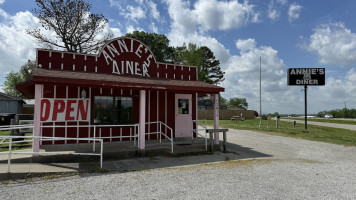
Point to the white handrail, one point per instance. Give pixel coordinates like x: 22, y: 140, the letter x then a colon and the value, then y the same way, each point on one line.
x: 10, y: 138
x: 10, y: 127
x: 161, y: 133
x: 96, y: 126
x: 205, y: 126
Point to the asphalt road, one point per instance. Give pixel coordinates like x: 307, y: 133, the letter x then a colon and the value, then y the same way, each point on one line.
x: 266, y: 167
x: 333, y: 125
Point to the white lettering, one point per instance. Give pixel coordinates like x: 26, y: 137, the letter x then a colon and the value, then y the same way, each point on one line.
x: 111, y: 48
x: 145, y: 71
x: 131, y: 46
x: 115, y: 68
x: 306, y: 82
x: 122, y: 44
x: 139, y: 50
x: 106, y: 56
x: 123, y: 67
x: 148, y: 59
x: 321, y: 71
x: 129, y: 65
x: 137, y: 69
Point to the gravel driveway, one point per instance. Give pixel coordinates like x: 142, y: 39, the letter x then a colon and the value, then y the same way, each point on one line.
x: 267, y: 167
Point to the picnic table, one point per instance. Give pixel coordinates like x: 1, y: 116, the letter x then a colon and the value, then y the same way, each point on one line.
x: 237, y: 118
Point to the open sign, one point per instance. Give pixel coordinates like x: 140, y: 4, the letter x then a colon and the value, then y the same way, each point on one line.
x: 60, y: 110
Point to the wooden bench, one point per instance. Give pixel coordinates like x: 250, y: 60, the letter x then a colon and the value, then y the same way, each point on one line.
x: 211, y: 140
x: 237, y: 118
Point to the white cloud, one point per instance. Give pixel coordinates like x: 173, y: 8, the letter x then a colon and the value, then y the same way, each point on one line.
x: 140, y: 10
x: 336, y: 92
x: 134, y: 13
x: 2, y: 1
x: 334, y: 43
x: 16, y: 46
x: 183, y: 19
x: 242, y: 78
x: 294, y: 12
x: 210, y: 15
x: 274, y: 8
x: 283, y: 2
x: 131, y: 29
x: 246, y: 45
x: 154, y: 12
x: 223, y: 15
x: 154, y: 27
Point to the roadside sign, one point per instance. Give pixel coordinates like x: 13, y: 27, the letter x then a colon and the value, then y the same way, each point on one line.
x: 306, y: 76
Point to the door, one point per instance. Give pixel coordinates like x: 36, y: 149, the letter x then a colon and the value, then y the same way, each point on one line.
x: 183, y: 115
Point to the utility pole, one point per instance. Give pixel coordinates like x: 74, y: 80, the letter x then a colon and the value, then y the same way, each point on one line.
x: 260, y: 95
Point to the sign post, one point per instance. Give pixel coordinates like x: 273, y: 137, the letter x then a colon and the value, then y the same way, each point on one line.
x: 305, y: 77
x: 306, y: 107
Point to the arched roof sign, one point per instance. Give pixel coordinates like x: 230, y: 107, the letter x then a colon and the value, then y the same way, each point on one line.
x: 127, y: 56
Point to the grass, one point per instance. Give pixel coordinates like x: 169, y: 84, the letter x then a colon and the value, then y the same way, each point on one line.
x: 335, y: 121
x: 16, y: 146
x: 315, y: 133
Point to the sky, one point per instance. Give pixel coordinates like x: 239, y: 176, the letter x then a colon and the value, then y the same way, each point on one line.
x: 283, y: 33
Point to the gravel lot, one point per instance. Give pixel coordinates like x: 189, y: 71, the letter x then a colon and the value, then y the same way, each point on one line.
x: 268, y: 167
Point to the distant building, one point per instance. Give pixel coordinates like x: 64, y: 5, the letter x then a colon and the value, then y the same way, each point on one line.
x: 207, y: 103
x: 9, y: 104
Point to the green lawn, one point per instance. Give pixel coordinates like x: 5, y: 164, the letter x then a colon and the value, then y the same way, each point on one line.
x: 316, y: 133
x: 17, y: 146
x: 336, y: 121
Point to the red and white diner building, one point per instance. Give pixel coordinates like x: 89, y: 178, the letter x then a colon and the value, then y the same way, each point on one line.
x: 121, y: 85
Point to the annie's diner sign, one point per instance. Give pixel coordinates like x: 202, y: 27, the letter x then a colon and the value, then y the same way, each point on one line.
x: 128, y: 56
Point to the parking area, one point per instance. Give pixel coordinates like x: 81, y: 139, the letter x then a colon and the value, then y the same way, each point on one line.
x: 258, y: 166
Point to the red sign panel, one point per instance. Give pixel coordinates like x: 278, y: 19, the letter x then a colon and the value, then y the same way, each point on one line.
x: 121, y: 56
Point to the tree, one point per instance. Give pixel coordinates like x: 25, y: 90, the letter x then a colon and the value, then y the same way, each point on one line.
x: 158, y: 43
x: 76, y: 29
x: 209, y: 69
x: 238, y: 102
x: 222, y: 100
x: 13, y: 78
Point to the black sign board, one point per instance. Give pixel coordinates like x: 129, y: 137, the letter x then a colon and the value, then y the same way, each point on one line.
x: 306, y: 76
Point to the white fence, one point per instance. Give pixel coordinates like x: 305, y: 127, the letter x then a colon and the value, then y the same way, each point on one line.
x: 10, y: 141
x: 136, y: 130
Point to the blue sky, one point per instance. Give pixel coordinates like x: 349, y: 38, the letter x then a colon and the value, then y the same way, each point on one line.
x: 284, y: 33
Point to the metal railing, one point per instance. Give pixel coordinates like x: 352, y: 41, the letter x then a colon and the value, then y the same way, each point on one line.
x: 204, y: 128
x: 159, y: 131
x: 135, y: 134
x: 11, y: 142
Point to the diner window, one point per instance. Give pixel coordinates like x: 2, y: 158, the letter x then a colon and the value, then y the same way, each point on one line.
x: 183, y: 106
x: 113, y: 110
x: 123, y: 110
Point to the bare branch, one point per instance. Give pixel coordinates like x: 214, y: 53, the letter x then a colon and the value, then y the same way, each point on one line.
x: 76, y: 28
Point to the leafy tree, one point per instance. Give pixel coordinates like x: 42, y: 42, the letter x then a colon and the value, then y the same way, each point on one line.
x: 76, y: 29
x: 222, y: 100
x: 238, y: 102
x: 13, y: 78
x: 158, y: 43
x: 208, y: 67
